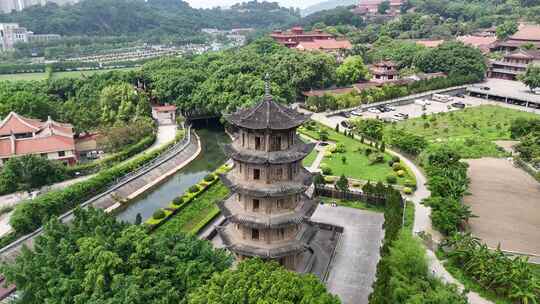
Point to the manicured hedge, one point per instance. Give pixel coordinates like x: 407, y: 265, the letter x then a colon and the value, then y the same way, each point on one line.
x: 31, y: 214
x: 179, y: 203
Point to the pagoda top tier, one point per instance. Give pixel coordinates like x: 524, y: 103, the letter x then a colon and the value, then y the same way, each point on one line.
x: 267, y: 115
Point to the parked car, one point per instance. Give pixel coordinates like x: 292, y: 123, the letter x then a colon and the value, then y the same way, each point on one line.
x: 403, y: 115
x: 391, y: 108
x: 441, y: 98
x: 458, y: 105
x: 356, y: 113
x: 374, y: 110
x: 397, y: 117
x: 346, y: 114
x: 422, y: 102
x: 346, y: 124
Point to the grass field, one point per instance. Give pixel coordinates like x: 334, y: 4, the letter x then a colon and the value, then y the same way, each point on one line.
x: 310, y: 158
x: 57, y: 75
x: 471, y: 130
x: 357, y: 165
x: 198, y: 210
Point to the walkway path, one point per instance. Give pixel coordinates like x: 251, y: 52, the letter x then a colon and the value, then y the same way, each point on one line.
x: 165, y: 134
x: 422, y: 220
x: 317, y: 162
x: 173, y: 159
x: 354, y: 266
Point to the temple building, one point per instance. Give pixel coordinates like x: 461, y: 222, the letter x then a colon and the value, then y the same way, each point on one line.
x: 50, y: 139
x: 526, y: 34
x: 371, y: 7
x: 384, y: 71
x: 296, y: 35
x: 268, y: 211
x: 513, y: 64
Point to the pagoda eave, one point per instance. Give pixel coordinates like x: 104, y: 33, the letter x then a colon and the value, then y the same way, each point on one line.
x: 273, y: 251
x: 298, y: 152
x: 237, y: 215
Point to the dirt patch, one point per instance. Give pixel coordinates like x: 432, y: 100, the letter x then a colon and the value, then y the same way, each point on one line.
x: 507, y: 145
x: 507, y: 201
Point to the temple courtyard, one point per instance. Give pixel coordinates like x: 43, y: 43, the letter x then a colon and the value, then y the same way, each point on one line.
x: 505, y: 199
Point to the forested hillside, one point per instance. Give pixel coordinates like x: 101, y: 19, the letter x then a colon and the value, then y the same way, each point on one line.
x: 146, y: 18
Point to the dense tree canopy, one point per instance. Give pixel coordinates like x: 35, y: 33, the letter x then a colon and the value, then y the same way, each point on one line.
x: 29, y: 172
x: 352, y: 70
x: 146, y: 19
x: 453, y: 58
x: 255, y: 281
x: 215, y: 82
x: 96, y: 259
x: 531, y: 78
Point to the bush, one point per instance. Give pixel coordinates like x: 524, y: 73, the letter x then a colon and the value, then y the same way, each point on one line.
x: 328, y: 180
x: 407, y: 190
x: 159, y: 214
x: 400, y: 173
x: 409, y: 183
x: 178, y: 201
x: 209, y: 177
x: 376, y: 158
x: 397, y: 167
x: 340, y: 148
x: 390, y: 163
x: 194, y: 189
x: 391, y: 179
x: 368, y: 151
x: 396, y: 159
x: 326, y: 170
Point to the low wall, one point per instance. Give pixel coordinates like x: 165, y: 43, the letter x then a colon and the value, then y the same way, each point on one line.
x: 329, y: 191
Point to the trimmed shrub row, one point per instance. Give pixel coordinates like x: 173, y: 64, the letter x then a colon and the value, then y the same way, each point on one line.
x: 181, y: 202
x: 31, y: 214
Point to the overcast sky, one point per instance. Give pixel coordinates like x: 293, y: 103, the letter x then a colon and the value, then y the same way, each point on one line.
x: 224, y: 3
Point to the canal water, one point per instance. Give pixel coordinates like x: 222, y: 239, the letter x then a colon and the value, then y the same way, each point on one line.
x: 213, y: 137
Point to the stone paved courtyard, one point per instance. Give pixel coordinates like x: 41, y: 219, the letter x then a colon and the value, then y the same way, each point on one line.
x: 352, y: 271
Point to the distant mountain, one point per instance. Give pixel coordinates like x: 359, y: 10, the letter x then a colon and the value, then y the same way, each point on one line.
x: 326, y: 5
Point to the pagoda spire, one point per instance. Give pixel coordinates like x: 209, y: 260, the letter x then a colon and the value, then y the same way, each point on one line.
x: 267, y: 89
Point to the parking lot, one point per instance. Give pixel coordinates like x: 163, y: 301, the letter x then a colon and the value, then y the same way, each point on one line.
x: 416, y: 110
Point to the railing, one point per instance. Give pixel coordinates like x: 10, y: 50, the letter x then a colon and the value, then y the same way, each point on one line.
x: 165, y: 156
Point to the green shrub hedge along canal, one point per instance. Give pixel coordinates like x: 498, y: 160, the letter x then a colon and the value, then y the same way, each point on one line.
x: 349, y: 157
x: 193, y: 210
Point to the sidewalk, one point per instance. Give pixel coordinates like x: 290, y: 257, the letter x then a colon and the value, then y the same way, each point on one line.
x: 422, y: 220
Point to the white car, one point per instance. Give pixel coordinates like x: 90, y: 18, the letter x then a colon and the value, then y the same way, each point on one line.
x: 391, y: 108
x: 422, y: 102
x: 374, y: 110
x: 356, y: 113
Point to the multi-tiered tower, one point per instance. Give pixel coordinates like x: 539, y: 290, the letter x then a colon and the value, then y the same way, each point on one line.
x: 268, y: 210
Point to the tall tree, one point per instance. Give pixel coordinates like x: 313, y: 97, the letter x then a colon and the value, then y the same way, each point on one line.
x: 352, y: 70
x: 96, y: 259
x: 256, y: 281
x: 531, y: 78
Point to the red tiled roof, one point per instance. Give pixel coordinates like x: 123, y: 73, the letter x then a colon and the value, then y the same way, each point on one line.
x: 430, y: 43
x: 527, y: 32
x: 377, y: 2
x: 36, y: 145
x: 16, y: 124
x: 329, y: 44
x: 477, y: 41
x: 164, y: 108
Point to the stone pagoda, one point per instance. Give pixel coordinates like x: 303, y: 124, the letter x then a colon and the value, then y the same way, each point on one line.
x: 268, y: 210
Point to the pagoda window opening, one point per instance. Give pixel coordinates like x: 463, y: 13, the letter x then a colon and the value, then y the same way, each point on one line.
x: 255, y: 234
x: 257, y: 143
x: 256, y: 174
x: 239, y: 197
x: 276, y: 145
x: 279, y: 173
x: 243, y: 139
x: 281, y: 203
x: 256, y: 205
x: 281, y: 233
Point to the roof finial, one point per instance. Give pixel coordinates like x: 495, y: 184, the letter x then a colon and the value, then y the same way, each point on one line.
x: 267, y: 93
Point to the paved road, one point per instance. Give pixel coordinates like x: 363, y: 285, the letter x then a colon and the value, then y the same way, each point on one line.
x: 353, y: 269
x: 170, y: 160
x: 165, y: 134
x: 422, y: 220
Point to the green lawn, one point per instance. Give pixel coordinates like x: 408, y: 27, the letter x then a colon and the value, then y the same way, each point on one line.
x: 352, y: 204
x: 310, y: 158
x: 471, y: 130
x: 56, y: 75
x: 199, y: 210
x: 357, y: 164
